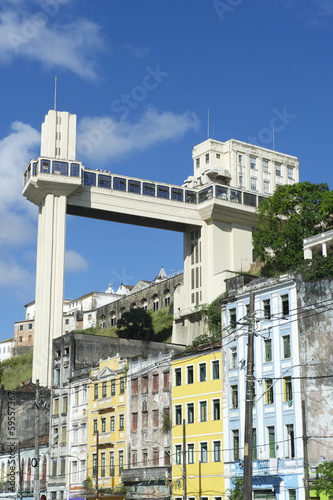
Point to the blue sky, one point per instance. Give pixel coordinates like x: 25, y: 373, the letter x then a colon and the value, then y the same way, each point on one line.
x: 152, y: 68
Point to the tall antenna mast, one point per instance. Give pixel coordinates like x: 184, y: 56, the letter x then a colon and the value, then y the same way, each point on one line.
x: 273, y: 140
x: 208, y: 126
x: 55, y: 93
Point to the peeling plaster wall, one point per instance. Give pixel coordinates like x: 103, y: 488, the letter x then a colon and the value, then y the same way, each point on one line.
x: 315, y: 309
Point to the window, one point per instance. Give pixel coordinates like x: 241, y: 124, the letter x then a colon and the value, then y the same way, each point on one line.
x: 112, y: 464
x: 166, y: 381
x: 63, y: 434
x: 286, y: 346
x: 278, y: 169
x: 197, y: 162
x: 155, y: 303
x: 155, y: 382
x: 113, y: 319
x: 269, y: 393
x: 216, y: 409
x: 207, y: 158
x: 148, y: 189
x: 30, y: 326
x: 21, y: 339
x: 122, y: 385
x: 178, y: 453
x: 176, y: 194
x: 135, y: 387
x: 102, y: 464
x: 144, y: 385
x: 240, y: 158
x: 235, y: 443
x: 178, y: 414
x: 21, y: 328
x: 266, y: 187
x: 167, y: 457
x: 64, y: 404
x: 190, y: 374
x: 190, y: 453
x: 155, y: 418
x: 178, y: 376
x: 57, y: 376
x: 144, y: 420
x: 121, y: 461
x: 253, y: 162
x: 190, y: 413
x: 265, y: 166
x: 234, y: 396
x: 287, y: 390
x: 95, y: 426
x: 267, y: 308
x: 56, y: 407
x: 254, y: 444
x: 203, y: 453
x: 253, y: 184
x: 96, y: 391
x: 202, y: 372
x: 55, y: 435
x: 203, y: 411
x: 271, y: 441
x: 233, y: 358
x: 232, y: 318
x: 134, y: 458
x: 63, y: 468
x: 54, y: 468
x: 292, y: 494
x: 77, y: 395
x: 268, y: 350
x: 156, y: 457
x: 285, y: 305
x: 290, y: 441
x: 112, y: 424
x: 103, y: 419
x: 121, y: 422
x: 290, y: 173
x: 215, y: 369
x: 217, y: 451
x: 113, y: 387
x: 104, y: 390
x: 134, y: 187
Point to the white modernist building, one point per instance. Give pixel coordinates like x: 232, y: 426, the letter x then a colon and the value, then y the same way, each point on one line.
x: 214, y: 209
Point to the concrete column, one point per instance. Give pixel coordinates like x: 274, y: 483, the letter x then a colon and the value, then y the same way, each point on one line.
x: 307, y: 253
x: 324, y: 249
x: 49, y: 283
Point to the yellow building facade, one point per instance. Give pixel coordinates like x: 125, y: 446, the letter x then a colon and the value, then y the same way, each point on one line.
x: 107, y: 414
x: 197, y: 399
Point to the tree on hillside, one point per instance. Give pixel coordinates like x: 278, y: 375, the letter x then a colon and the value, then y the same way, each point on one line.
x: 324, y: 482
x: 136, y: 324
x: 292, y: 213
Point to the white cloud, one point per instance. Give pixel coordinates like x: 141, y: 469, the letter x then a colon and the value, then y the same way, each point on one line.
x: 18, y: 216
x: 74, y: 262
x: 138, y: 50
x: 103, y: 138
x: 72, y: 46
x: 12, y: 275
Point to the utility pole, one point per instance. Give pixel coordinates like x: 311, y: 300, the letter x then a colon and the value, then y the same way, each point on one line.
x: 97, y: 464
x: 305, y: 454
x: 200, y: 478
x: 247, y: 484
x: 184, y: 461
x: 37, y: 409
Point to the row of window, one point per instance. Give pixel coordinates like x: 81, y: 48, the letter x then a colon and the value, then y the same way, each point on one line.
x: 205, y: 455
x: 266, y: 310
x: 265, y: 166
x: 268, y: 352
x: 140, y: 384
x: 189, y: 372
x: 109, y: 471
x: 271, y: 444
x: 105, y: 388
x: 29, y: 327
x: 268, y: 392
x: 111, y: 427
x: 202, y: 412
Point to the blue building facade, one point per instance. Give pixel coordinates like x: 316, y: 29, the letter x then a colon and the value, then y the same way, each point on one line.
x: 277, y: 452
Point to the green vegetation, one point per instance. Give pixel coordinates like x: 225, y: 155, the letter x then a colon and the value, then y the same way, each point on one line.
x: 139, y: 324
x: 237, y: 492
x: 324, y: 482
x: 292, y: 213
x: 213, y: 314
x: 16, y: 370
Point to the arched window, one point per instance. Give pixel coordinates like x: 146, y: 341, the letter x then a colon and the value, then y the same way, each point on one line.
x: 113, y: 319
x: 133, y: 305
x: 102, y: 321
x: 156, y: 302
x: 144, y: 304
x: 166, y: 298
